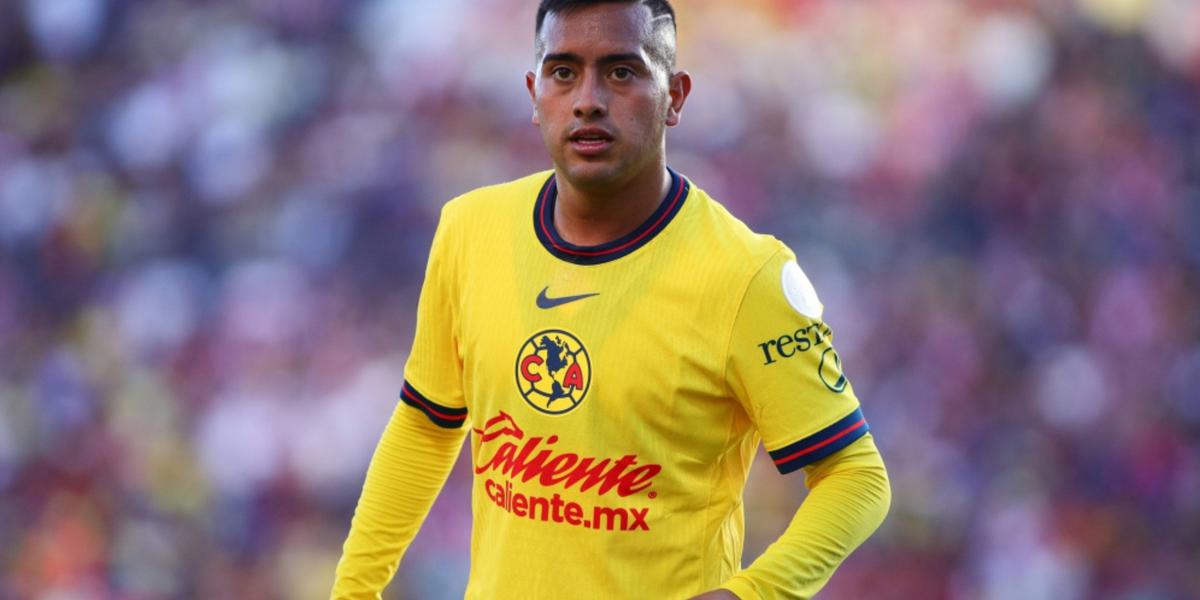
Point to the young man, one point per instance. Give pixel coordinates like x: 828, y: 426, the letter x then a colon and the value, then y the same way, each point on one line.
x: 618, y: 344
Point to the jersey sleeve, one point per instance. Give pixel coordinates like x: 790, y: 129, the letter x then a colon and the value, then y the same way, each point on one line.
x: 849, y: 496
x: 784, y: 369
x: 407, y: 471
x: 433, y: 374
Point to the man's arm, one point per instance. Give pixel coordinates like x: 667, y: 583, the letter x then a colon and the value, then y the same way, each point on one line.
x: 787, y: 375
x: 848, y: 499
x: 409, y: 467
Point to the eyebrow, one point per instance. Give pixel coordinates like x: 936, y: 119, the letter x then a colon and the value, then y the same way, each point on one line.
x: 607, y: 59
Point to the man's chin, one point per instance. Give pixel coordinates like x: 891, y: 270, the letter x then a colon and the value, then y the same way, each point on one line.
x: 592, y: 174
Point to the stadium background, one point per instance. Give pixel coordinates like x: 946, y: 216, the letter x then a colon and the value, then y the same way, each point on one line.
x: 214, y: 218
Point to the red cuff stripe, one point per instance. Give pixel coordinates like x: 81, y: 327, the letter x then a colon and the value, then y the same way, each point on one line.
x: 841, y: 434
x: 426, y: 405
x: 442, y: 416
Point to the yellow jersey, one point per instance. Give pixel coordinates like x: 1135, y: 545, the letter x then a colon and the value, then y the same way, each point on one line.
x: 616, y: 394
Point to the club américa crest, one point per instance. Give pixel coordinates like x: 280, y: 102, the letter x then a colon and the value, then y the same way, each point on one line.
x: 553, y: 371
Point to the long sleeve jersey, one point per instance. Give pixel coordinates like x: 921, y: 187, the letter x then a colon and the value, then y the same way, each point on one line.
x: 615, y: 396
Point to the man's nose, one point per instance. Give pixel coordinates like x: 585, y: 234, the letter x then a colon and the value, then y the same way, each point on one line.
x: 591, y: 97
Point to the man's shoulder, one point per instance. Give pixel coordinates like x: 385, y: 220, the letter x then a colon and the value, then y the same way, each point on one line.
x: 482, y: 202
x: 726, y: 236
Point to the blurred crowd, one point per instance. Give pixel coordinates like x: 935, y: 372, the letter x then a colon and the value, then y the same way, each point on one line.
x: 214, y: 219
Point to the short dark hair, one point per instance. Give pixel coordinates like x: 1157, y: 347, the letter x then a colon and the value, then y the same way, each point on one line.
x: 658, y: 8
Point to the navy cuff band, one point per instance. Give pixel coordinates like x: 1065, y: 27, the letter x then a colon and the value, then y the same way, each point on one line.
x: 821, y: 444
x: 442, y: 416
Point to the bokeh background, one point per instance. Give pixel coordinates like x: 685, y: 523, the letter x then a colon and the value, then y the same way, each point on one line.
x: 214, y: 218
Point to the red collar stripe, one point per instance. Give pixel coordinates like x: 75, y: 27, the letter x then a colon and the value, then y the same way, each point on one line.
x: 548, y: 235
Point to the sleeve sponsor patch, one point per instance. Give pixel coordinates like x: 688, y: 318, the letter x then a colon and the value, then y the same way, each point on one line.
x: 799, y: 291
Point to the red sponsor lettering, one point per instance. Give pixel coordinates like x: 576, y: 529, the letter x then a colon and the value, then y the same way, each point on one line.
x: 535, y: 459
x: 555, y: 509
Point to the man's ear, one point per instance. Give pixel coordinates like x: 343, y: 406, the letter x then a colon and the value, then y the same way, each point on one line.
x: 531, y: 85
x: 679, y: 86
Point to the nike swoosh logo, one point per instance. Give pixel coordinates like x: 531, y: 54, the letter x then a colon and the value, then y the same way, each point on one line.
x: 544, y: 301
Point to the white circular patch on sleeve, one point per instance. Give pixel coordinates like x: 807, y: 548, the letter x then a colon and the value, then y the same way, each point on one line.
x: 799, y: 291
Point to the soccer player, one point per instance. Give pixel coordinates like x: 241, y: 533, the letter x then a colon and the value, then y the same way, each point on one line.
x: 617, y: 345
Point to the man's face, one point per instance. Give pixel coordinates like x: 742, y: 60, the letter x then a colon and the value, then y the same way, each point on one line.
x: 602, y: 95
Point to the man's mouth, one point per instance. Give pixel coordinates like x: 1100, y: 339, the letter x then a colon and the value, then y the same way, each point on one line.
x: 590, y: 141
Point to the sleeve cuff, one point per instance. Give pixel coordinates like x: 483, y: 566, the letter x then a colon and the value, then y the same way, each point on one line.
x: 821, y: 444
x: 442, y: 416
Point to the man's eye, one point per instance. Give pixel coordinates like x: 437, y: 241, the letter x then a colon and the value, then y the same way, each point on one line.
x: 622, y: 73
x: 561, y: 73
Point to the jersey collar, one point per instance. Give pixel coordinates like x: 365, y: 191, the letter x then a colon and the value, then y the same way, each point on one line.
x: 543, y: 224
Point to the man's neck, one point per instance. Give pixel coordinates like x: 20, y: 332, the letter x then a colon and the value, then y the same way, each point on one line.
x: 590, y: 217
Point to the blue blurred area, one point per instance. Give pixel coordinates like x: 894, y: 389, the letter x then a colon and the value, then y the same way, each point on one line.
x: 214, y: 218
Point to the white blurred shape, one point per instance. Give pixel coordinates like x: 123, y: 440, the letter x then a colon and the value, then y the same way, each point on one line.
x: 1072, y: 389
x: 1009, y: 59
x: 839, y: 132
x: 329, y: 447
x: 244, y: 75
x: 1021, y: 559
x: 1171, y: 27
x: 64, y: 28
x: 157, y: 307
x: 394, y: 29
x: 237, y: 444
x: 714, y: 118
x: 265, y: 301
x: 34, y: 195
x: 145, y: 131
x: 229, y: 158
x: 405, y: 38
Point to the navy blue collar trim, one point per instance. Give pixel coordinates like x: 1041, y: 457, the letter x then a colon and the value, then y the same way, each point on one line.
x: 543, y: 224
